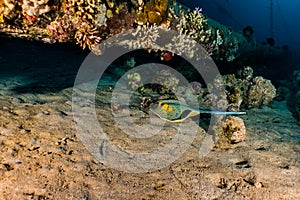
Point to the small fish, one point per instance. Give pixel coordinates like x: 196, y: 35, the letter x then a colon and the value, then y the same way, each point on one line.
x: 174, y: 111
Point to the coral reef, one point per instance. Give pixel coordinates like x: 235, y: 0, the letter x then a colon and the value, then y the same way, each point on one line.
x: 167, y: 80
x: 86, y: 36
x: 261, y: 92
x: 122, y: 20
x: 34, y: 7
x: 244, y: 91
x: 194, y: 24
x: 62, y: 29
x: 8, y: 9
x: 214, y: 39
x: 89, y: 21
x: 89, y: 11
x: 163, y: 82
x: 85, y: 20
x: 24, y: 12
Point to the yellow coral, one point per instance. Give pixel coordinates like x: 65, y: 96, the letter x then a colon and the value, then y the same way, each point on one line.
x: 154, y: 17
x: 109, y: 13
x: 154, y: 12
x: 1, y: 19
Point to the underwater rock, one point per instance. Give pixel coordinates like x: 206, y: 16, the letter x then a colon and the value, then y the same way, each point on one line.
x: 293, y: 99
x: 296, y: 80
x: 282, y: 93
x: 296, y: 112
x: 293, y: 103
x: 248, y: 32
x: 234, y: 129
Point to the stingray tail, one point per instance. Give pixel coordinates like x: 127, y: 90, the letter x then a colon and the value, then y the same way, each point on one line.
x: 215, y: 112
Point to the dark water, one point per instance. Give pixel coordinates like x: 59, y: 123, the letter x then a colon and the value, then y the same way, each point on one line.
x: 35, y: 67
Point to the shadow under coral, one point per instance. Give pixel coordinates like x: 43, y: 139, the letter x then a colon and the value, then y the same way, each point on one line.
x: 37, y: 67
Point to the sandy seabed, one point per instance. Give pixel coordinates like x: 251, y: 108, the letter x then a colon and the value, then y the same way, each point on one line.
x: 42, y: 157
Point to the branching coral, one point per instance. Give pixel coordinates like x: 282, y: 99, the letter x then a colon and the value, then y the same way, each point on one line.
x: 81, y: 20
x: 88, y: 10
x: 213, y: 38
x: 87, y: 36
x: 145, y: 37
x: 183, y: 44
x: 63, y: 28
x: 194, y: 24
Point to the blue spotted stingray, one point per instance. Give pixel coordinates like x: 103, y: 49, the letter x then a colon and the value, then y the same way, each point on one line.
x: 174, y: 111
